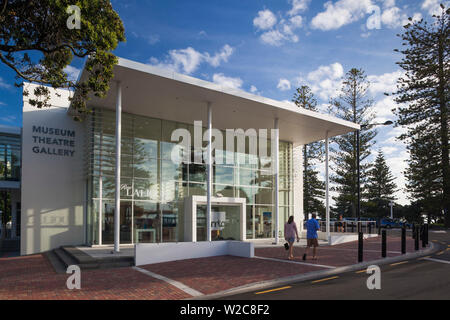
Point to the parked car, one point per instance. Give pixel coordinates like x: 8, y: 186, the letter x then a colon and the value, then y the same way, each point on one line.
x: 389, y: 223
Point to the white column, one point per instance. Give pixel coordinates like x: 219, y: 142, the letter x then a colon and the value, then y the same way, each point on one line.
x: 209, y: 174
x: 277, y: 169
x: 100, y: 208
x: 297, y: 168
x: 118, y: 154
x: 327, y: 190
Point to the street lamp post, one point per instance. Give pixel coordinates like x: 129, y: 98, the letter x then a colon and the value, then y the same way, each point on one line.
x: 358, y: 206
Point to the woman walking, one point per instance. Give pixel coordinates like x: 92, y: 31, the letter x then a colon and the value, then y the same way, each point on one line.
x: 290, y: 234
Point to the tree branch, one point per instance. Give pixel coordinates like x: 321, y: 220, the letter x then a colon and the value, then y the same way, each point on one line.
x: 4, y: 8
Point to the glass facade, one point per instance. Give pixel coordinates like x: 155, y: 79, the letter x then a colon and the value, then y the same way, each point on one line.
x: 153, y: 188
x: 10, y: 157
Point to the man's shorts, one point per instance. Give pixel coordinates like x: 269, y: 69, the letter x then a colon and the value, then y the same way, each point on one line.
x: 312, y: 243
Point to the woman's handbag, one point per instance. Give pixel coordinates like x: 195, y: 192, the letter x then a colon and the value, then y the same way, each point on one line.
x: 286, y: 246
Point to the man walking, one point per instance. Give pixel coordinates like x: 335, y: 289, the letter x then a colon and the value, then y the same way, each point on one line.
x: 312, y: 226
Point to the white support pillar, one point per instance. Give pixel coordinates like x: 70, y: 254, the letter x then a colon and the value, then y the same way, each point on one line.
x: 100, y: 209
x: 209, y: 175
x: 118, y: 154
x: 327, y: 183
x: 277, y: 180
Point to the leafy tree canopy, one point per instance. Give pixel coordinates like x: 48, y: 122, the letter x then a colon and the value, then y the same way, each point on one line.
x: 38, y: 40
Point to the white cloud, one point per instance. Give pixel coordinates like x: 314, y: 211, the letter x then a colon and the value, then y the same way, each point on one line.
x: 2, y: 104
x: 325, y: 81
x: 433, y: 6
x: 389, y: 150
x: 344, y: 12
x: 394, y: 18
x: 298, y: 6
x: 383, y: 110
x: 276, y: 33
x: 72, y: 73
x: 284, y: 85
x: 254, y: 90
x: 220, y: 57
x: 388, y: 3
x: 188, y: 60
x: 4, y: 85
x: 273, y: 38
x: 265, y: 20
x: 384, y: 83
x: 9, y: 119
x: 229, y: 82
x: 341, y: 13
x: 152, y: 39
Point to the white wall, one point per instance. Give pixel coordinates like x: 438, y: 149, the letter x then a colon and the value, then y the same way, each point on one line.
x: 164, y: 252
x: 53, y: 186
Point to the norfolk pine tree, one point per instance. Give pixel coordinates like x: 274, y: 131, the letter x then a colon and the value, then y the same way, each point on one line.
x: 423, y: 95
x: 353, y: 104
x: 380, y: 187
x: 313, y: 187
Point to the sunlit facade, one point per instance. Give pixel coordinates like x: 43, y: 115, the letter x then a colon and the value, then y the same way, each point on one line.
x: 153, y: 187
x: 71, y: 192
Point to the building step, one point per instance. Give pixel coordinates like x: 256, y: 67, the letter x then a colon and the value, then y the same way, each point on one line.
x: 64, y: 258
x: 55, y: 261
x: 86, y: 262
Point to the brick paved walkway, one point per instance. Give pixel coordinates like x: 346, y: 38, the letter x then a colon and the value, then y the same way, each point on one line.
x: 32, y: 277
x: 342, y: 254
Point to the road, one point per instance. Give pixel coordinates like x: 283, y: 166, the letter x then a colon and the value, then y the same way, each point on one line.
x: 422, y: 278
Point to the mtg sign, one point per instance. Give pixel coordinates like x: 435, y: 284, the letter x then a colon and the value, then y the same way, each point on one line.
x: 53, y: 141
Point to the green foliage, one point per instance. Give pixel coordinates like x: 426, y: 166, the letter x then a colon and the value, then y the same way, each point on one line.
x: 37, y: 44
x: 313, y: 187
x: 380, y: 188
x: 353, y: 104
x: 424, y: 175
x: 423, y: 98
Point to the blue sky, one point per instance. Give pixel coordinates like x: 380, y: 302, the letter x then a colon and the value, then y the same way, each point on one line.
x: 266, y: 47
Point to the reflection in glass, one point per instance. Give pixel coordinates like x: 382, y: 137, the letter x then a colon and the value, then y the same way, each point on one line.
x: 263, y: 222
x: 148, y: 175
x: 108, y: 222
x: 147, y: 225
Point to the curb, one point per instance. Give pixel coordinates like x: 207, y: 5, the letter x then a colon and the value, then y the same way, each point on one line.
x: 317, y: 274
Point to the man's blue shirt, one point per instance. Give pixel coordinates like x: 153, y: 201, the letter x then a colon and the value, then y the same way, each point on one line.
x: 312, y: 226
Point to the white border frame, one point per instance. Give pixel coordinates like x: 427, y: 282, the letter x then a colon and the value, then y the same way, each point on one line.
x: 190, y: 214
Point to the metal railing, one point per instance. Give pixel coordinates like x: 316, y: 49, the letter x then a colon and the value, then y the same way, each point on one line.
x: 367, y: 227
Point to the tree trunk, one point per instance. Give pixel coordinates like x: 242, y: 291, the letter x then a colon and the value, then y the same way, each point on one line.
x: 444, y: 136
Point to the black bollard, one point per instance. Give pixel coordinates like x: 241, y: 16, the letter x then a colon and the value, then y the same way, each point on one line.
x: 416, y: 239
x: 424, y: 244
x: 413, y: 231
x: 370, y: 228
x: 360, y: 246
x: 383, y: 243
x: 426, y: 234
x: 403, y: 240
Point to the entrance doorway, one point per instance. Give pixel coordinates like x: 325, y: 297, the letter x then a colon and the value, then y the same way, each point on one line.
x: 228, y: 219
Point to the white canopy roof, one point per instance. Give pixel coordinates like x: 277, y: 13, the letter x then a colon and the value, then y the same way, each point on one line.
x: 160, y: 93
